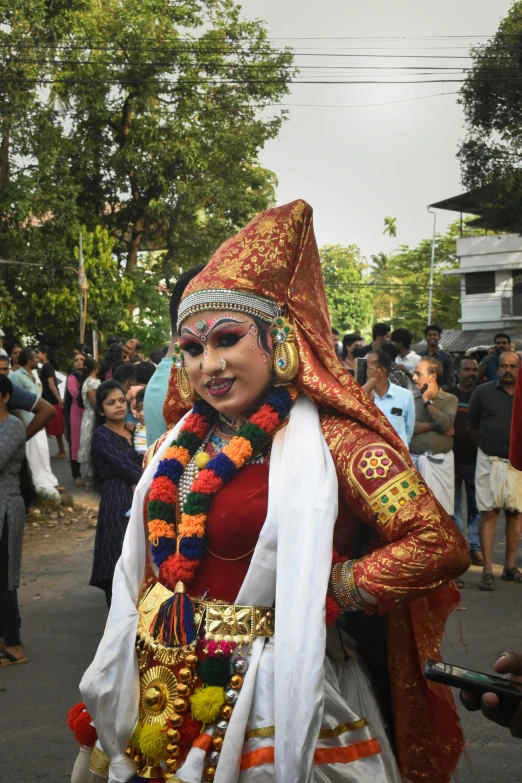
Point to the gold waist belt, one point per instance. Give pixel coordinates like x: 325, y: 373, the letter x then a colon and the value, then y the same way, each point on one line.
x: 220, y: 622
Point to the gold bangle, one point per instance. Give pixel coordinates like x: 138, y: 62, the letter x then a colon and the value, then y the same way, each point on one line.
x: 351, y: 587
x: 99, y: 763
x: 341, y: 594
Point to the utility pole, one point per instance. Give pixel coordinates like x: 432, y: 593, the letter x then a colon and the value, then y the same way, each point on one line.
x: 83, y: 286
x: 432, y: 262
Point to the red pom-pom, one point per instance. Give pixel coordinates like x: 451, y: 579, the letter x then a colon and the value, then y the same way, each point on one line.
x: 177, y: 568
x: 197, y: 424
x: 190, y: 731
x: 207, y: 482
x: 332, y: 610
x: 84, y: 733
x: 73, y: 713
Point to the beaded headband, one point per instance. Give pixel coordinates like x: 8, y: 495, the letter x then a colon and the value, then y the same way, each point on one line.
x: 224, y: 299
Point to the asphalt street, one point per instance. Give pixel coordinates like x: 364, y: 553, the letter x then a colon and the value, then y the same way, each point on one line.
x: 63, y: 620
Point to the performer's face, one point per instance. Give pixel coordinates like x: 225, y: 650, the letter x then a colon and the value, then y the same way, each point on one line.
x: 228, y: 357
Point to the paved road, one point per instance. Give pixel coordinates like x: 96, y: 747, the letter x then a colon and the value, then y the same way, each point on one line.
x: 62, y: 623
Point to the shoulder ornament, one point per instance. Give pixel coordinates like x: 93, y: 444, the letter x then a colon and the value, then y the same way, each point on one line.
x: 384, y: 480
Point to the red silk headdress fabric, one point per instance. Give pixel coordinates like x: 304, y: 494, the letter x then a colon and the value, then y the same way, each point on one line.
x: 276, y: 256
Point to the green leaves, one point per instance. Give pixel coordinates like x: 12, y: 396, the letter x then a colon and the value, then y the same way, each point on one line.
x: 349, y: 297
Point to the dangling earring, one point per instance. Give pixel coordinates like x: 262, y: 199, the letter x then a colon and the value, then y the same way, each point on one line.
x: 185, y: 388
x: 286, y: 358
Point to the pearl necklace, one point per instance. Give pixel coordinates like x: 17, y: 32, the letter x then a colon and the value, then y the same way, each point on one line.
x: 191, y: 472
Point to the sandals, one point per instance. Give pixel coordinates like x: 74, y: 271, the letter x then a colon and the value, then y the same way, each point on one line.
x: 487, y: 582
x: 512, y: 575
x: 8, y: 659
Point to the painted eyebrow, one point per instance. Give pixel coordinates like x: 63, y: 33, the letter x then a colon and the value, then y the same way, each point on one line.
x: 218, y: 323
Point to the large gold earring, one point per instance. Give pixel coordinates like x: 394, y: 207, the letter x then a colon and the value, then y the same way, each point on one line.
x: 286, y: 358
x: 185, y: 388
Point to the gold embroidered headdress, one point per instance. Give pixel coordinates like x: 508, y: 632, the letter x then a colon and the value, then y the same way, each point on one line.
x: 272, y: 266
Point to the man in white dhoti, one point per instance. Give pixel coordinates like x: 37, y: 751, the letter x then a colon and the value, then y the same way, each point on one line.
x: 498, y: 485
x: 431, y: 447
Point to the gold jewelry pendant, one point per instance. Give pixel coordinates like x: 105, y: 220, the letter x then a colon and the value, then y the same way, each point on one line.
x: 185, y: 388
x: 286, y: 357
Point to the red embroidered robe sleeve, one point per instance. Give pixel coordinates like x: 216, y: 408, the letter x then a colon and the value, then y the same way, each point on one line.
x: 416, y: 545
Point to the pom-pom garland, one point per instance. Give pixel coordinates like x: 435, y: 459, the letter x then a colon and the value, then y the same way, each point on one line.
x: 190, y: 731
x: 333, y: 610
x: 178, y: 552
x: 206, y: 703
x: 135, y: 739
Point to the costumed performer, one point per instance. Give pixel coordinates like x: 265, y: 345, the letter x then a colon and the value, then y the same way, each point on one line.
x: 299, y: 497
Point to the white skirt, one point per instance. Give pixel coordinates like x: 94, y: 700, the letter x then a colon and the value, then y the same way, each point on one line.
x: 497, y: 483
x: 37, y: 451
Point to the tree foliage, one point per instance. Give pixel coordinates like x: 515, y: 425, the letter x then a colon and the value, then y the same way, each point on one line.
x: 349, y: 299
x: 491, y: 154
x: 141, y: 119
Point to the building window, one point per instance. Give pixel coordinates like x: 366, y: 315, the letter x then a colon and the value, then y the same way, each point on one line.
x: 480, y: 283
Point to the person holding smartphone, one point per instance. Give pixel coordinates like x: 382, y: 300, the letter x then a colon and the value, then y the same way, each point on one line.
x: 493, y: 708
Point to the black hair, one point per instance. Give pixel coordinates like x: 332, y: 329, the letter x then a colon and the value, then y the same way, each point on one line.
x: 4, y: 358
x: 44, y: 349
x: 113, y: 354
x: 432, y: 328
x: 124, y: 372
x: 435, y: 366
x: 335, y: 331
x: 380, y: 330
x: 144, y: 372
x: 138, y: 344
x: 157, y: 355
x: 140, y: 397
x: 467, y: 359
x: 102, y: 392
x: 383, y: 359
x: 391, y: 350
x: 88, y: 366
x: 25, y: 356
x: 348, y: 341
x: 403, y: 336
x: 178, y: 291
x: 82, y: 348
x: 114, y: 340
x: 6, y: 387
x: 502, y: 334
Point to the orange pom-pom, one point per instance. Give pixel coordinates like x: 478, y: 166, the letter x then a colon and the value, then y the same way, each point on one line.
x: 239, y: 450
x: 266, y: 418
x: 159, y: 528
x: 178, y: 568
x: 192, y: 525
x: 84, y: 732
x: 177, y: 452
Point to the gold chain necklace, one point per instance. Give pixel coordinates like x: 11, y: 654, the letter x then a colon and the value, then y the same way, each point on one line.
x: 229, y: 559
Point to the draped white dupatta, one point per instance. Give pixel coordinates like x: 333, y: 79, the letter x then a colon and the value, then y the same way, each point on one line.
x: 291, y: 565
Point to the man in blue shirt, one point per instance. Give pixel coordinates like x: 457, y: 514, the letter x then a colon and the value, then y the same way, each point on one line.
x: 489, y: 365
x: 394, y: 401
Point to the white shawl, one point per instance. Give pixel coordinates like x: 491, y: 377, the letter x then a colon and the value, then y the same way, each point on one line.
x: 291, y: 564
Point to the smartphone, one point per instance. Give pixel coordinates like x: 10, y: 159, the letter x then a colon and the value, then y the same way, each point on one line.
x: 476, y: 682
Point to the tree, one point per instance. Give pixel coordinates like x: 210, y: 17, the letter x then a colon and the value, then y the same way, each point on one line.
x: 390, y: 226
x: 384, y: 279
x: 145, y: 119
x: 491, y: 154
x: 349, y: 298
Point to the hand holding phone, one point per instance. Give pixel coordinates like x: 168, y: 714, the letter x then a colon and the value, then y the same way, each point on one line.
x: 492, y: 707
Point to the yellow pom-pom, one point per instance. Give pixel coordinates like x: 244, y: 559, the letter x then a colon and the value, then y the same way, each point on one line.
x: 154, y: 741
x: 135, y: 739
x: 201, y: 460
x: 206, y: 703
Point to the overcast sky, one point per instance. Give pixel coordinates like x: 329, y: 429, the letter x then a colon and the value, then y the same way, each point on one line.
x: 356, y: 165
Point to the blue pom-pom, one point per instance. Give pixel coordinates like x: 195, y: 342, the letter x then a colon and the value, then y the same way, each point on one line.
x: 192, y: 547
x: 165, y: 547
x: 171, y: 468
x: 280, y: 401
x: 203, y: 408
x: 223, y: 467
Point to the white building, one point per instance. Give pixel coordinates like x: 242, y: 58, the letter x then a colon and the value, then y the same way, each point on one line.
x: 490, y: 281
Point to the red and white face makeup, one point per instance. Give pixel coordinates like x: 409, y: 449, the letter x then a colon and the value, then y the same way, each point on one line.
x: 215, y: 337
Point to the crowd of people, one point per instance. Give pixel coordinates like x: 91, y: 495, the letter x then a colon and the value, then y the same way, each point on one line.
x: 456, y: 424
x: 275, y: 407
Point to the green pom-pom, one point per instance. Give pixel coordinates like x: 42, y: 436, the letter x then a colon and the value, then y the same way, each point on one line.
x: 197, y: 503
x: 215, y: 671
x: 189, y: 441
x: 153, y: 742
x: 206, y: 703
x: 254, y: 434
x: 136, y: 734
x: 157, y: 509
